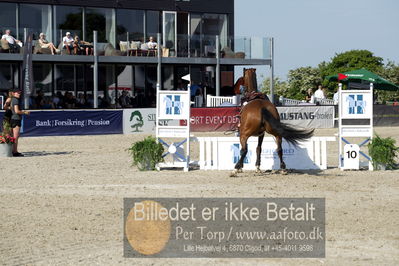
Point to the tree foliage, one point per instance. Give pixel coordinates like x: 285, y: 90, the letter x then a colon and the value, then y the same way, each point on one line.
x: 391, y: 73
x: 303, y: 78
x: 351, y: 60
x: 280, y: 86
x: 348, y: 61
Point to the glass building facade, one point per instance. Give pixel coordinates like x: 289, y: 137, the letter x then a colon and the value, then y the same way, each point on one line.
x: 184, y: 33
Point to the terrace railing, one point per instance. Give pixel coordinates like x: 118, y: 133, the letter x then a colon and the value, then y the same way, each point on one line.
x: 196, y: 46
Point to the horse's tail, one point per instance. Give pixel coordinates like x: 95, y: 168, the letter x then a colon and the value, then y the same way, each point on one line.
x: 289, y: 133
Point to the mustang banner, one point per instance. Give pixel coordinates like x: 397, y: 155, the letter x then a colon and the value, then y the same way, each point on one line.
x: 307, y: 116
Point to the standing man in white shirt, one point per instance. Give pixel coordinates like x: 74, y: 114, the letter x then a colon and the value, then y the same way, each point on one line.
x: 319, y: 93
x: 67, y: 42
x: 12, y: 42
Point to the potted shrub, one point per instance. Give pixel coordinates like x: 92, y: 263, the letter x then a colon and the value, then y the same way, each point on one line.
x: 6, y: 142
x: 146, y: 154
x: 383, y: 152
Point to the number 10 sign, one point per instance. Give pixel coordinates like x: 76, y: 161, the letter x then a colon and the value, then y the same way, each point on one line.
x: 351, y: 156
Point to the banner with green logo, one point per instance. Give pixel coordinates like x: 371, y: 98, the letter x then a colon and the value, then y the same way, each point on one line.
x: 139, y: 120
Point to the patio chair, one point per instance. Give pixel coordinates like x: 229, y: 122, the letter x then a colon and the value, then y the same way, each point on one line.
x: 123, y: 46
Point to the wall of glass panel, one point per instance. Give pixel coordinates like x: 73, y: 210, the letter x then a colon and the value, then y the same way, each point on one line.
x: 37, y: 18
x: 139, y: 85
x: 203, y: 29
x: 42, y: 90
x: 9, y: 77
x: 8, y: 17
x: 113, y: 25
x: 151, y: 84
x: 103, y: 21
x: 132, y: 22
x: 106, y: 84
x: 168, y: 77
x: 67, y: 19
x: 152, y: 24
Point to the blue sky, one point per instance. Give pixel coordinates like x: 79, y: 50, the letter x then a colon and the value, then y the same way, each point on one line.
x: 307, y: 32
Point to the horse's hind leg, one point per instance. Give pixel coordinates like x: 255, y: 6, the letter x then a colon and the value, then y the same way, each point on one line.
x: 279, y: 141
x: 244, y: 150
x: 258, y: 152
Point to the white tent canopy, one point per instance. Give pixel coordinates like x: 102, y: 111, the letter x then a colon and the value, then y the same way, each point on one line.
x: 125, y: 80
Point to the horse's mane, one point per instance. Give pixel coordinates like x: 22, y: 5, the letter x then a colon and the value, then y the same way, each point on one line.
x: 239, y: 82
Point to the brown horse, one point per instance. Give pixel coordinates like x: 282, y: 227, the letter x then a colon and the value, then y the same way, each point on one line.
x: 260, y: 116
x: 248, y: 80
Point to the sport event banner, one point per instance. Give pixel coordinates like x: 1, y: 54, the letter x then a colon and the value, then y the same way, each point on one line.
x: 60, y: 123
x: 222, y: 119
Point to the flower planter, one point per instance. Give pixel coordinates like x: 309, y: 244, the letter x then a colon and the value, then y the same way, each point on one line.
x: 145, y: 164
x: 5, y: 150
x: 382, y: 167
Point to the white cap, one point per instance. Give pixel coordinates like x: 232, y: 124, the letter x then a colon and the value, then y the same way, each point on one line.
x: 68, y: 33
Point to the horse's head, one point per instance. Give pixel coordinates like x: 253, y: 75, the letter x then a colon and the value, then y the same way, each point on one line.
x: 250, y: 79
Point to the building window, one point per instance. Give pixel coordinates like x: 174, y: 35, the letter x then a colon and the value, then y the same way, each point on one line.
x: 68, y: 19
x: 107, y: 95
x: 8, y: 17
x: 139, y: 86
x: 203, y: 31
x: 41, y: 96
x: 152, y: 24
x: 132, y: 22
x: 168, y: 78
x: 37, y: 19
x: 8, y: 77
x: 103, y: 21
x: 151, y: 85
x: 212, y: 25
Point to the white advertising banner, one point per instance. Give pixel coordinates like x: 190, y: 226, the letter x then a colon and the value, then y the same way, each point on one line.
x: 142, y: 121
x: 139, y: 120
x: 307, y: 116
x: 222, y: 153
x: 295, y: 158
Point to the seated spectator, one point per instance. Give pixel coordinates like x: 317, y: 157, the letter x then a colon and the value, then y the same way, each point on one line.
x: 309, y: 95
x: 39, y: 100
x: 43, y: 43
x: 81, y: 101
x: 70, y: 101
x: 47, y: 103
x: 58, y: 100
x: 12, y: 42
x: 67, y: 42
x: 89, y: 101
x: 81, y: 47
x: 124, y: 100
x: 151, y: 44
